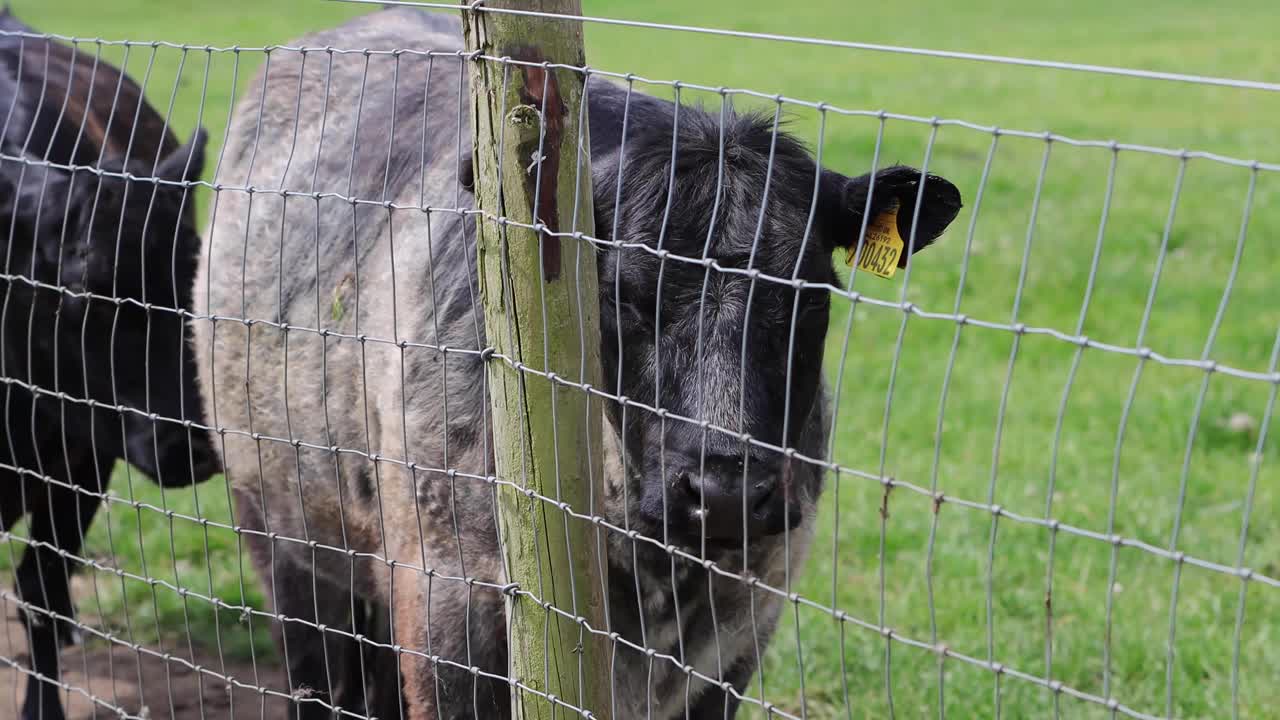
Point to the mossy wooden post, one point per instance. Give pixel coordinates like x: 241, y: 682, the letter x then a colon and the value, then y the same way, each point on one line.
x: 541, y: 308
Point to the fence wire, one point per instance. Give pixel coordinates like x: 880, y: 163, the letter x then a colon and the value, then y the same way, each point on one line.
x: 191, y: 548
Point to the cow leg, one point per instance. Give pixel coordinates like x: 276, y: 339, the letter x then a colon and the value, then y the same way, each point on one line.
x: 327, y: 662
x: 11, y: 497
x: 377, y: 665
x: 317, y: 661
x: 319, y: 664
x: 446, y: 689
x: 43, y: 579
x: 354, y: 665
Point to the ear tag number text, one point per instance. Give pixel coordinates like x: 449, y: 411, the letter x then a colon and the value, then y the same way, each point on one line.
x: 883, y: 246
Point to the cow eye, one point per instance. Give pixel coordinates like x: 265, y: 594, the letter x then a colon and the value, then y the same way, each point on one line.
x: 813, y: 300
x: 633, y: 316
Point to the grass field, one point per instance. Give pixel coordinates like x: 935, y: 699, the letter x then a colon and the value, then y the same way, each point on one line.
x: 955, y: 575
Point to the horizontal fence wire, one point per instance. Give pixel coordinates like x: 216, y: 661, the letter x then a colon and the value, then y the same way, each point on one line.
x: 481, y: 7
x: 931, y: 489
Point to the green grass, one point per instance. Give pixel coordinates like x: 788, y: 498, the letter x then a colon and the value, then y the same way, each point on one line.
x: 878, y: 566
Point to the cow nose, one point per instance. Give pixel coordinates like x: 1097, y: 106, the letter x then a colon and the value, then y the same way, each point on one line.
x: 206, y: 461
x: 727, y: 504
x: 181, y: 459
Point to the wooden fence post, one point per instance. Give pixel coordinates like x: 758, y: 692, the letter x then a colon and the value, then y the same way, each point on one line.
x: 541, y: 310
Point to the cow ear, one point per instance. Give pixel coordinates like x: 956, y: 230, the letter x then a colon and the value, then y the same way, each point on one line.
x: 186, y: 164
x: 843, y: 201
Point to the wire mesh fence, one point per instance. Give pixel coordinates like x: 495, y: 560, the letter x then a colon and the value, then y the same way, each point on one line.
x: 1025, y: 473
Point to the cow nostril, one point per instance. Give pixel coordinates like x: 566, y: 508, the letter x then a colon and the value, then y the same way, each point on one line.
x: 763, y: 496
x: 693, y: 489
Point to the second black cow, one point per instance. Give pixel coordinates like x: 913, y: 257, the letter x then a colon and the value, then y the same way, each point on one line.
x: 97, y: 260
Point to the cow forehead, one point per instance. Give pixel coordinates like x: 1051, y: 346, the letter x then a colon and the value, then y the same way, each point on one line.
x: 769, y: 267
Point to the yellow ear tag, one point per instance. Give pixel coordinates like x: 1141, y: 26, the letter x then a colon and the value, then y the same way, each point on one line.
x: 883, y: 247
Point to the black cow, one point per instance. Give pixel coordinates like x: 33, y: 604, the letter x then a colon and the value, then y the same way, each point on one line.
x: 93, y: 353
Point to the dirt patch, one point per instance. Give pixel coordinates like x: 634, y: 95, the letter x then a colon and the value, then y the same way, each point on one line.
x: 108, y: 678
